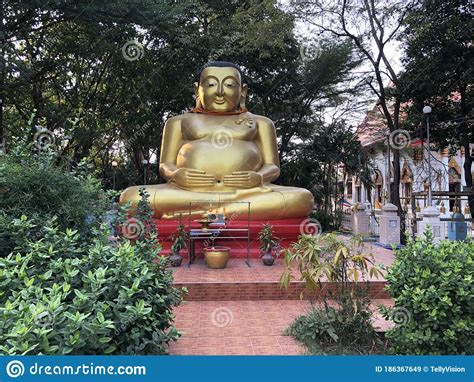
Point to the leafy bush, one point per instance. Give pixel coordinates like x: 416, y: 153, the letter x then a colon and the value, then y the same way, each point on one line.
x: 432, y: 286
x: 343, y: 324
x: 328, y: 221
x: 33, y: 185
x: 58, y: 297
x: 342, y: 329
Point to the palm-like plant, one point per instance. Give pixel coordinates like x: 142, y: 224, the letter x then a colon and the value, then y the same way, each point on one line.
x: 328, y: 256
x: 267, y: 239
x: 269, y: 244
x: 346, y: 327
x: 179, y: 240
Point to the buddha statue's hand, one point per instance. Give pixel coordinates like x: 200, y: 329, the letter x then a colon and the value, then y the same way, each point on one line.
x: 189, y: 177
x: 243, y: 179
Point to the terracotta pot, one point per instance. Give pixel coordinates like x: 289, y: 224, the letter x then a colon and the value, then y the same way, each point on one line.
x: 176, y: 260
x: 268, y: 258
x: 216, y: 257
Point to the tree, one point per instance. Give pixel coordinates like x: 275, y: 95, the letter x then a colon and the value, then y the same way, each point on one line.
x: 370, y: 25
x: 439, y: 62
x: 67, y: 65
x: 67, y: 62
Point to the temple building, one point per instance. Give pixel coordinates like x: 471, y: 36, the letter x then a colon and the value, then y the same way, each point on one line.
x: 446, y: 169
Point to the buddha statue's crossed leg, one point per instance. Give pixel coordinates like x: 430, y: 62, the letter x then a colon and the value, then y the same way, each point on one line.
x: 266, y: 203
x: 269, y: 202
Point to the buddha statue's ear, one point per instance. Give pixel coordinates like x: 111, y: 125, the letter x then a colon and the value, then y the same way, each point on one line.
x: 243, y: 96
x: 196, y: 94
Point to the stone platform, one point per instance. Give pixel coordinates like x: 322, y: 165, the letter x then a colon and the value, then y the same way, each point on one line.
x: 259, y: 282
x: 286, y: 230
x: 242, y: 310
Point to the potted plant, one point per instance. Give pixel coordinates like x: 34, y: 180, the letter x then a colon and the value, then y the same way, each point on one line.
x: 269, y: 245
x: 179, y: 242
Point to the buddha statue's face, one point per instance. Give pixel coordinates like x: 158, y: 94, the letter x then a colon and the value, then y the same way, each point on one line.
x: 220, y: 89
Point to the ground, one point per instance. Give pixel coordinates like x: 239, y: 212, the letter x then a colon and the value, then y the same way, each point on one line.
x: 242, y: 310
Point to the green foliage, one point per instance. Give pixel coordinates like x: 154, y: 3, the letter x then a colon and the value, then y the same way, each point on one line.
x: 439, y: 71
x: 138, y: 225
x: 267, y: 239
x: 324, y: 218
x: 329, y: 220
x: 73, y: 67
x: 59, y: 296
x: 327, y: 256
x: 33, y: 185
x: 345, y: 328
x: 314, y: 164
x: 179, y: 240
x: 433, y: 288
x: 439, y: 60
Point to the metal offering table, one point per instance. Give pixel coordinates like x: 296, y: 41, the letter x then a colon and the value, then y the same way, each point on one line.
x: 212, y: 229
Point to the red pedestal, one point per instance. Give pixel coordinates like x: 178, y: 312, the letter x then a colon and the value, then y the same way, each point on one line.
x: 287, y: 230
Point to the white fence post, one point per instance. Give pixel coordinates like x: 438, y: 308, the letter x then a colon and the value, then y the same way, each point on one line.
x: 390, y: 225
x: 431, y: 218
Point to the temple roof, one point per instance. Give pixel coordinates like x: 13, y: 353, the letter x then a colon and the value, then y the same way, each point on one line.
x: 373, y: 128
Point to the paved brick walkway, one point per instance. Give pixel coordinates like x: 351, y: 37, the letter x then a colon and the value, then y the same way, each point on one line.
x: 242, y: 327
x: 240, y: 310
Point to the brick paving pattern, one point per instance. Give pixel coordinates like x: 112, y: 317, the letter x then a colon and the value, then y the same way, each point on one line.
x: 242, y: 310
x: 243, y: 327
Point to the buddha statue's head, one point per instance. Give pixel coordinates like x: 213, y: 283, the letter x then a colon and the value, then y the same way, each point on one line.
x: 220, y: 87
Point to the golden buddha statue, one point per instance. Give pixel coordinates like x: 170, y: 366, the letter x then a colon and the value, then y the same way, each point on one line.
x: 221, y: 152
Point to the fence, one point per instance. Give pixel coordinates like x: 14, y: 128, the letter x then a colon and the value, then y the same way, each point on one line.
x: 443, y: 201
x: 346, y: 221
x: 375, y: 223
x: 412, y: 213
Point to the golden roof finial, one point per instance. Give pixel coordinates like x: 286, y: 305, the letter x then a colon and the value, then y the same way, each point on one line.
x: 467, y: 210
x: 418, y: 209
x: 442, y: 209
x: 456, y: 208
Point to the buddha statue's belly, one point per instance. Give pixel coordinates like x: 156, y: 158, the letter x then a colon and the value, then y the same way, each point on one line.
x: 220, y: 158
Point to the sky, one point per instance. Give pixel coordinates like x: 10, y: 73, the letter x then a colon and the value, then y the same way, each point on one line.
x: 309, y: 34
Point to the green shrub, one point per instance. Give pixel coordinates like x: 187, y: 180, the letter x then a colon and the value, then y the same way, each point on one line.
x: 324, y: 219
x: 328, y: 221
x: 342, y: 329
x: 60, y: 296
x: 433, y: 289
x: 343, y: 324
x: 33, y: 185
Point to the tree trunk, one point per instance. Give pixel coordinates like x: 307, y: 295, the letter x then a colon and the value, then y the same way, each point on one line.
x: 467, y: 149
x: 468, y: 175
